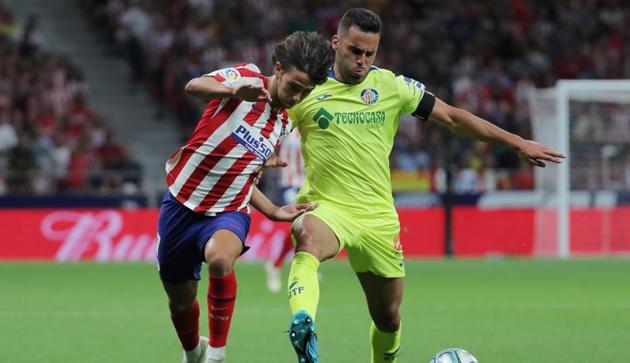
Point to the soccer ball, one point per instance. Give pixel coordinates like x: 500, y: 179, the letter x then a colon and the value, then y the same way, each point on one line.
x: 453, y: 355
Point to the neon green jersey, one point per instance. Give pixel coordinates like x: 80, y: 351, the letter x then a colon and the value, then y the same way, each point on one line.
x: 347, y: 135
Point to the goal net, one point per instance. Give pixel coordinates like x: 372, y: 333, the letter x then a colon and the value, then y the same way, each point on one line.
x: 584, y: 202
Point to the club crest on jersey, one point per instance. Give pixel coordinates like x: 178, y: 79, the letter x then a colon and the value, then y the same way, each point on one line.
x: 252, y: 143
x: 369, y: 96
x: 230, y: 74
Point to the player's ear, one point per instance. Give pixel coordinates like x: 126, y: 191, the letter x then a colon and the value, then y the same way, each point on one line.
x: 335, y: 42
x: 277, y: 68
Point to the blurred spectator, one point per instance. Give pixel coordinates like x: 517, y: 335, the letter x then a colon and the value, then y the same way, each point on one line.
x: 484, y: 56
x: 6, y: 21
x: 48, y: 132
x: 30, y: 39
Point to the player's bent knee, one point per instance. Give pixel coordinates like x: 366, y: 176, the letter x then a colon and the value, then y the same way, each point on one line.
x: 220, y: 265
x: 181, y: 306
x: 306, y: 242
x: 388, y: 320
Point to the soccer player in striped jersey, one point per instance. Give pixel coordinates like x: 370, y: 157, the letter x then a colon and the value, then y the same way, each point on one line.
x: 348, y: 126
x: 204, y: 216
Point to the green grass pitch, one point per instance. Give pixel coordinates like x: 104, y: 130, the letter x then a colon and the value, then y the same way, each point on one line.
x: 506, y: 311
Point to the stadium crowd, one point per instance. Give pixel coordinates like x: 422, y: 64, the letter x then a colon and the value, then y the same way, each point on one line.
x: 50, y: 139
x: 484, y: 56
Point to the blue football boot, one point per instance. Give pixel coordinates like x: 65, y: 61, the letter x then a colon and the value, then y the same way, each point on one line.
x: 303, y: 337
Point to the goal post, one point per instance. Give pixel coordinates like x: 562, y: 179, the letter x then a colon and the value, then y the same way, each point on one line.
x: 560, y: 119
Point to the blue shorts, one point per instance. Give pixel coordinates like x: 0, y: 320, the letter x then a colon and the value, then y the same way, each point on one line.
x: 182, y: 238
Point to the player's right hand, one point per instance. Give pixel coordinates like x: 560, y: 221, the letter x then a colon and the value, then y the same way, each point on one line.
x: 272, y: 162
x: 252, y: 93
x: 289, y: 212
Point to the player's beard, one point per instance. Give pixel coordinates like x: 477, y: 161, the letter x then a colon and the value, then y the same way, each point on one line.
x: 350, y: 77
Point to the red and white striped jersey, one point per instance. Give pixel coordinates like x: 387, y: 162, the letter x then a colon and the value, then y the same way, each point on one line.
x: 292, y: 175
x: 213, y: 172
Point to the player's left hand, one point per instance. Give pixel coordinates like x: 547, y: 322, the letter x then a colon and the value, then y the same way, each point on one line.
x: 272, y: 162
x: 536, y: 154
x: 289, y: 212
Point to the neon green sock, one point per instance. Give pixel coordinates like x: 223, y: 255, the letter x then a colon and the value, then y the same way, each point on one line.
x: 385, y: 346
x: 303, y: 284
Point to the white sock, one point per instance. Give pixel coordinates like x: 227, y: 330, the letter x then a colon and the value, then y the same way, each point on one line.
x: 192, y: 355
x: 216, y: 353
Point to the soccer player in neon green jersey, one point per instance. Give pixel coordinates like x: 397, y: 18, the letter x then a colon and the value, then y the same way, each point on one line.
x: 348, y: 126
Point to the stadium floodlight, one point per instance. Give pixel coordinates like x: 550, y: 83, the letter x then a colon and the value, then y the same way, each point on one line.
x: 589, y: 121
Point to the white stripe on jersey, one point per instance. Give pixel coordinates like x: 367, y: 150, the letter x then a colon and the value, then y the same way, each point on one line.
x: 247, y: 138
x: 240, y: 181
x: 221, y: 133
x: 224, y: 165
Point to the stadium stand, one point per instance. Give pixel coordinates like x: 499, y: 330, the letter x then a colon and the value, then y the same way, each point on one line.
x: 51, y: 141
x: 483, y: 56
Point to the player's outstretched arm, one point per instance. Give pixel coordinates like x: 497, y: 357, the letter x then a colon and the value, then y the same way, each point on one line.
x: 279, y: 214
x: 208, y: 87
x: 465, y: 123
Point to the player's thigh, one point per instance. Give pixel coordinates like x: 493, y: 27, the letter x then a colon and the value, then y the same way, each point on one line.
x: 181, y: 295
x: 222, y: 249
x: 383, y: 296
x: 315, y: 236
x: 179, y: 257
x: 377, y: 250
x: 223, y: 240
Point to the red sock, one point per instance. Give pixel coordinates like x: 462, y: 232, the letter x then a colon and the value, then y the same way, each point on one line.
x: 187, y: 326
x: 286, y: 248
x: 221, y: 299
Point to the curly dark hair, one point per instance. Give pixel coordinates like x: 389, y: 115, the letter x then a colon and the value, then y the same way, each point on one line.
x: 308, y: 52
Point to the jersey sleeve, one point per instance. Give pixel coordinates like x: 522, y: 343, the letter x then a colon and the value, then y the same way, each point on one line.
x: 239, y: 75
x: 411, y: 93
x: 295, y: 115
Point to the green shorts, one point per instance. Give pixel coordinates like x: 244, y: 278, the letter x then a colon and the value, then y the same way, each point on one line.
x: 372, y: 243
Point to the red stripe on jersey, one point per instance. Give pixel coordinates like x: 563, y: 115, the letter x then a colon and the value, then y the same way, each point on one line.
x: 202, y: 170
x: 183, y: 159
x: 257, y: 109
x: 213, y: 158
x: 207, y: 125
x: 246, y: 72
x: 211, y: 121
x: 223, y: 184
x: 240, y: 198
x: 218, y: 77
x: 285, y: 118
x: 271, y: 122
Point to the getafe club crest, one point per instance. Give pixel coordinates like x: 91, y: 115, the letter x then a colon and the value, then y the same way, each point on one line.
x: 369, y: 96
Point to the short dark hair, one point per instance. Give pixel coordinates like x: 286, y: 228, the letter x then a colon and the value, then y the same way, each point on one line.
x: 309, y: 52
x: 364, y: 19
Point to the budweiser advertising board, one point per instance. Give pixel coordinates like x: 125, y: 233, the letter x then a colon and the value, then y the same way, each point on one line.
x: 130, y: 235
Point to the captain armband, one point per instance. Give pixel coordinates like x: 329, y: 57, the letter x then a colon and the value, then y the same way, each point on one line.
x: 425, y: 106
